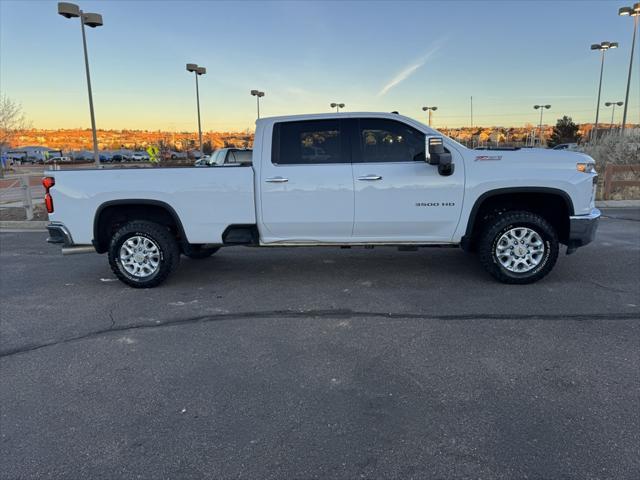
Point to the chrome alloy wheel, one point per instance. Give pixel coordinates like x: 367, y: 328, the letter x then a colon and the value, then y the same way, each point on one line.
x: 140, y: 256
x: 520, y: 249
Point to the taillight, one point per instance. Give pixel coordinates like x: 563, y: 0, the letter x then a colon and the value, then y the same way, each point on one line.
x: 47, y: 183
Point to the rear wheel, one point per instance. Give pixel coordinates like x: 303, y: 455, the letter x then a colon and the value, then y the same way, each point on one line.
x: 518, y: 247
x: 142, y: 254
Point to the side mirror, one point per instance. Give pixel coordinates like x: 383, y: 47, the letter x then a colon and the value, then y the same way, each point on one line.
x: 435, y: 154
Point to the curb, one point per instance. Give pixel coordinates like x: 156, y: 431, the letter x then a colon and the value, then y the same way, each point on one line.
x: 24, y: 224
x: 617, y: 203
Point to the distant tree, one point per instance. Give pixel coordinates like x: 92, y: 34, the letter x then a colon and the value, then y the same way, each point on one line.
x: 12, y: 120
x: 207, y: 148
x: 565, y: 131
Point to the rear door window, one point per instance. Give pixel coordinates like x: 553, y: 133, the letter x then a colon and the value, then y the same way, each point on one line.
x: 309, y: 142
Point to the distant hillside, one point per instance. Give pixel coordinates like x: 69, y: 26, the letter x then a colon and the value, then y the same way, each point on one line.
x: 81, y: 139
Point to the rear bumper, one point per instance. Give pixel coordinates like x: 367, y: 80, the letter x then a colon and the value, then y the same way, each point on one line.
x: 582, y: 228
x: 58, y: 233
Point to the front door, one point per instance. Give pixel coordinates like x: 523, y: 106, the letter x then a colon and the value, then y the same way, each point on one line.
x: 398, y: 196
x: 307, y: 188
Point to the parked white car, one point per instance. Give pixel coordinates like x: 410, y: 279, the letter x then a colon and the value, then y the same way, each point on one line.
x: 58, y: 160
x: 566, y: 146
x: 348, y: 179
x: 139, y: 157
x: 226, y: 156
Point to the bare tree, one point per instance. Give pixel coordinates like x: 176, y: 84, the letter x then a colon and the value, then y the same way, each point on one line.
x: 12, y: 120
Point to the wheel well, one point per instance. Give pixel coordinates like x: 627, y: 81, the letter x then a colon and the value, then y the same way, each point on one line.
x: 555, y: 207
x: 110, y: 217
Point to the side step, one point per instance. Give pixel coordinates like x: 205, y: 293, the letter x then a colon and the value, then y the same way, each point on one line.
x: 240, y: 235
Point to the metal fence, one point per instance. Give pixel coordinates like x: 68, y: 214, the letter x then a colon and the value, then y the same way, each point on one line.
x: 611, y: 183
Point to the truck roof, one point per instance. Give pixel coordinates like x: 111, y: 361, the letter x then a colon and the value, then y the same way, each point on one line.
x: 331, y: 115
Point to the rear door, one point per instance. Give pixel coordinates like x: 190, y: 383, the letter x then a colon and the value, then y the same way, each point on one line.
x: 307, y: 188
x: 398, y: 196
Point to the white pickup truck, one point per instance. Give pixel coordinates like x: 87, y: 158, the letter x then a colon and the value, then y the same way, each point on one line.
x: 334, y: 180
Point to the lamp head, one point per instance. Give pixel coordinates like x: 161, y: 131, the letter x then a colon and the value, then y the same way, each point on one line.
x: 625, y: 11
x: 613, y: 44
x: 607, y: 104
x: 595, y: 46
x: 547, y: 107
x: 201, y: 71
x: 333, y: 105
x: 191, y: 67
x: 93, y: 20
x: 341, y: 105
x: 260, y: 94
x: 537, y: 106
x: 68, y: 10
x: 434, y: 108
x: 619, y: 103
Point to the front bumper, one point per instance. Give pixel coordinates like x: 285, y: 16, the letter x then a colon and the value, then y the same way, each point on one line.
x: 582, y: 229
x: 58, y: 233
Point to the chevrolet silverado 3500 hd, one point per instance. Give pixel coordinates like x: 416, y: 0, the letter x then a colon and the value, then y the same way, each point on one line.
x: 333, y: 179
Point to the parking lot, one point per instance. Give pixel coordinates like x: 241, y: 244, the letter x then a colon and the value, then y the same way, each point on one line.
x: 322, y: 363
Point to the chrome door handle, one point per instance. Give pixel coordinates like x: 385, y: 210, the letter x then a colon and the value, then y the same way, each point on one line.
x: 370, y: 177
x: 276, y: 180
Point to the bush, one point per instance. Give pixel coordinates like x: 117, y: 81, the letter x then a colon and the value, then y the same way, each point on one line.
x: 614, y: 149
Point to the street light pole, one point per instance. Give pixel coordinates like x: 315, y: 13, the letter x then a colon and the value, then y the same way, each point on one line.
x: 257, y: 94
x: 542, y: 108
x: 602, y: 47
x: 337, y: 106
x: 192, y: 67
x: 93, y: 20
x: 613, y: 110
x: 199, y: 123
x: 429, y: 109
x: 635, y: 13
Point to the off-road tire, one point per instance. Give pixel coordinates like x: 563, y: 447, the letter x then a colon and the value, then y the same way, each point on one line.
x: 161, y: 236
x: 504, y: 222
x: 197, y: 252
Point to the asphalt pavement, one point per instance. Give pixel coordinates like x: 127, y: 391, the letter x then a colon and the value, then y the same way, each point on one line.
x: 322, y: 363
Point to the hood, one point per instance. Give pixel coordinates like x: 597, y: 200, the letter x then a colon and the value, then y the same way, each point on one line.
x: 534, y: 156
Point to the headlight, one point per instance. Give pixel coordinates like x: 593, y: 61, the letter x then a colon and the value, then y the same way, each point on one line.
x: 586, y: 167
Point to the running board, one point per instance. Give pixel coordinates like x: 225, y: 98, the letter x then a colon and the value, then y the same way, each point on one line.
x: 78, y: 249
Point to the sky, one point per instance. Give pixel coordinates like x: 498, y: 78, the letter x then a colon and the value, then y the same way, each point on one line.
x: 370, y: 55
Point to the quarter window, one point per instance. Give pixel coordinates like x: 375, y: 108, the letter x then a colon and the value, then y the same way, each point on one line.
x: 309, y: 142
x: 390, y: 141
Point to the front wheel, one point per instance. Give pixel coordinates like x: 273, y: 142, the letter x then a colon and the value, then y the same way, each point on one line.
x: 518, y: 247
x: 142, y: 254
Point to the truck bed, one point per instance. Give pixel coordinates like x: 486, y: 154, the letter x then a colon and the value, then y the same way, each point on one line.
x: 206, y: 200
